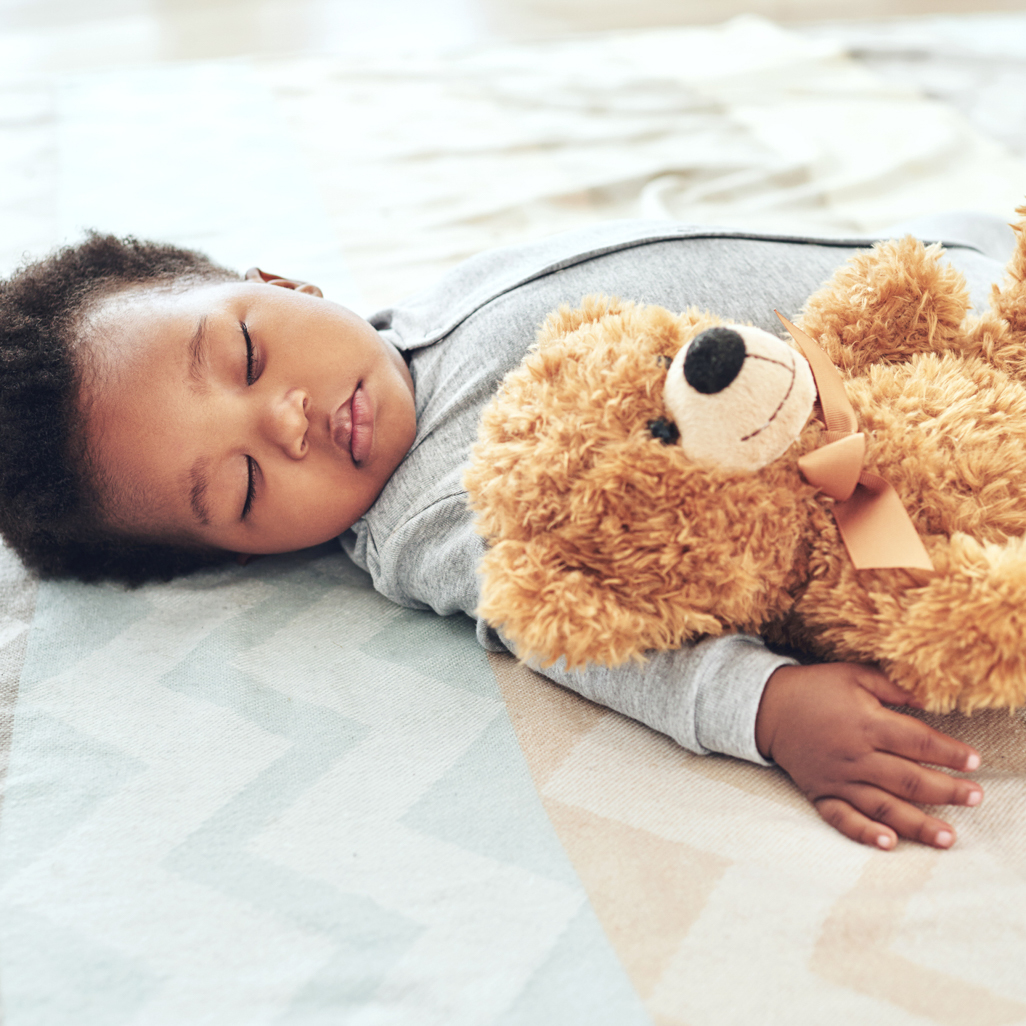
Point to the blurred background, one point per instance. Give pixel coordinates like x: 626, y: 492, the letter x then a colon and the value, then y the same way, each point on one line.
x: 370, y: 144
x: 49, y: 35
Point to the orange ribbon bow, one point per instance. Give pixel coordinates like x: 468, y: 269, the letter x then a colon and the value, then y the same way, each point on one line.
x: 875, y: 527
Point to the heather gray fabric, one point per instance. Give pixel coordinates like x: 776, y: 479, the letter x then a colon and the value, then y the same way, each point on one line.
x: 463, y: 335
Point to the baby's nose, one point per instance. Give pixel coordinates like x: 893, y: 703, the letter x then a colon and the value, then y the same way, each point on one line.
x: 714, y: 360
x: 289, y: 424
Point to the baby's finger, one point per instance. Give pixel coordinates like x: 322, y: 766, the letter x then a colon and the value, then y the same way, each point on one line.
x: 915, y: 783
x: 854, y: 824
x: 912, y: 739
x: 878, y: 683
x: 905, y: 820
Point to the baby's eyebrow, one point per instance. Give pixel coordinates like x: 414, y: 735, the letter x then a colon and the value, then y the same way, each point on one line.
x: 197, y: 494
x: 198, y: 353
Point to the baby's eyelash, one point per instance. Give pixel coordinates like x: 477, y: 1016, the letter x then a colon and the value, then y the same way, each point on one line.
x: 251, y: 490
x: 249, y: 355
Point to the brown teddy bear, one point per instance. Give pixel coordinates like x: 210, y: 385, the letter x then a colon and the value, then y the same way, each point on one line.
x: 645, y: 478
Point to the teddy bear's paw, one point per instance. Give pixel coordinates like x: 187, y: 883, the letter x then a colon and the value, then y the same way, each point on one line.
x: 887, y: 304
x: 957, y: 642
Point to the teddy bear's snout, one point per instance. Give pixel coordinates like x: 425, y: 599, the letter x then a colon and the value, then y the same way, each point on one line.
x: 714, y: 359
x: 738, y: 397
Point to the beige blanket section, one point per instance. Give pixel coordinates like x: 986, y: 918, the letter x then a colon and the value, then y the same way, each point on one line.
x: 725, y: 897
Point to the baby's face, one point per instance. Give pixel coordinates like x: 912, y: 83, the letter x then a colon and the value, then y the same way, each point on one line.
x: 241, y: 415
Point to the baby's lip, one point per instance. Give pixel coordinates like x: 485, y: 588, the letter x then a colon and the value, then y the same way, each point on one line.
x: 352, y: 426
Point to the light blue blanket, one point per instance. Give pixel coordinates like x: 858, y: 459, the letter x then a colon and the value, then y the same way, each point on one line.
x: 269, y: 795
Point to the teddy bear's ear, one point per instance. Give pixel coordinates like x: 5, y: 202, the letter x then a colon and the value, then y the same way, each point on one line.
x: 887, y: 304
x: 1009, y: 302
x: 565, y: 320
x: 999, y: 336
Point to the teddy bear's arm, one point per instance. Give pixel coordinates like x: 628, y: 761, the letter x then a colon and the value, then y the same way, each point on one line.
x: 887, y: 304
x: 548, y: 609
x: 952, y: 639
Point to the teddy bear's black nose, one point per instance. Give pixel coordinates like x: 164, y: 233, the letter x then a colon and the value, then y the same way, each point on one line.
x: 714, y: 359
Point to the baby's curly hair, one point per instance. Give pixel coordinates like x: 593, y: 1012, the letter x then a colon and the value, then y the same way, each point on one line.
x: 50, y: 512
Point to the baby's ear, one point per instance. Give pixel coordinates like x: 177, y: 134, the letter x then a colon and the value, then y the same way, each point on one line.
x: 255, y: 274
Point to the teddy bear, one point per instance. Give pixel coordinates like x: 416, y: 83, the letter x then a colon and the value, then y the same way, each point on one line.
x: 646, y: 478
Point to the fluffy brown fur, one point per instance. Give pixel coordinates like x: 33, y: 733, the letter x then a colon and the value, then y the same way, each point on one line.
x: 604, y: 542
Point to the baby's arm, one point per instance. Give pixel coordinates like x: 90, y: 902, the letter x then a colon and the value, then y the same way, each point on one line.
x: 857, y: 761
x: 705, y: 696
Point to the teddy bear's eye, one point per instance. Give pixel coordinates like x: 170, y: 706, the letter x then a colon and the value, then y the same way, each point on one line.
x: 664, y: 361
x: 665, y: 430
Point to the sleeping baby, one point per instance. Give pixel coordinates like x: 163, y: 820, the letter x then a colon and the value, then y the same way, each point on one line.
x: 160, y: 414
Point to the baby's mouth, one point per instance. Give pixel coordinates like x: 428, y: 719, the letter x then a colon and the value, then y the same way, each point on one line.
x: 352, y: 426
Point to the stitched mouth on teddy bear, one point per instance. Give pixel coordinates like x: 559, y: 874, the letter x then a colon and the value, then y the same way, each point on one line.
x: 782, y: 403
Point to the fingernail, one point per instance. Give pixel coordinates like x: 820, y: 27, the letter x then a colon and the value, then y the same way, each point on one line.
x: 974, y: 798
x: 972, y: 762
x: 944, y: 839
x: 883, y: 841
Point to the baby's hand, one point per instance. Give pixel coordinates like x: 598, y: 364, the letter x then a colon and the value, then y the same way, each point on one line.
x: 858, y: 761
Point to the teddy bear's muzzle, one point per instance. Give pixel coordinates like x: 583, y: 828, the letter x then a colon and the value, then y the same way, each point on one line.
x: 738, y: 396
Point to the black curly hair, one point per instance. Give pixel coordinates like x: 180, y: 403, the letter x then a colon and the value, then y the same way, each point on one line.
x: 50, y: 512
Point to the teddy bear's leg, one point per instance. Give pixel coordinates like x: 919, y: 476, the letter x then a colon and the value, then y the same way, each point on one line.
x: 887, y: 304
x: 1000, y: 335
x: 959, y: 640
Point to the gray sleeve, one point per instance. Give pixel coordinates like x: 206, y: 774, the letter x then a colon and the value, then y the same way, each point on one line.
x: 705, y: 696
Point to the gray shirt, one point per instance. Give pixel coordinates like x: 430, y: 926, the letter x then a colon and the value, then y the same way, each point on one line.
x: 463, y: 335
